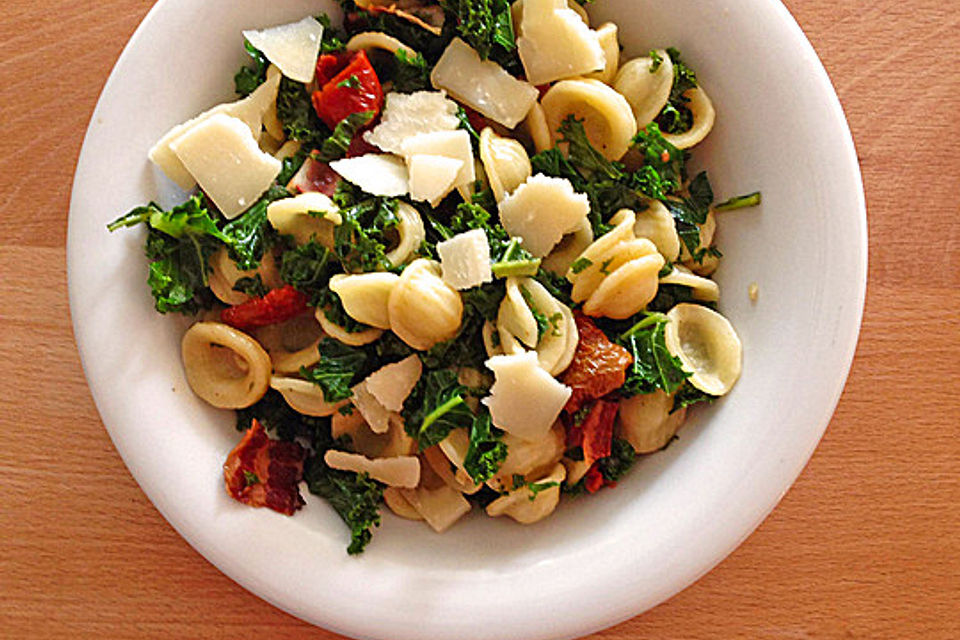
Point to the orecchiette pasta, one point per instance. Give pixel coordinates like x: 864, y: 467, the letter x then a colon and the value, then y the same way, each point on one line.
x: 354, y: 339
x: 516, y: 323
x: 308, y: 216
x: 304, y: 396
x: 704, y: 116
x: 702, y: 288
x: 424, y: 310
x: 410, y: 234
x: 657, y: 225
x: 646, y: 91
x: 646, y: 421
x: 528, y: 458
x: 224, y: 366
x: 292, y: 344
x: 627, y: 289
x: 505, y: 163
x: 378, y: 40
x: 365, y: 295
x: 531, y: 502
x: 608, y: 118
x: 537, y: 128
x: 707, y: 345
x: 224, y: 275
x: 439, y: 462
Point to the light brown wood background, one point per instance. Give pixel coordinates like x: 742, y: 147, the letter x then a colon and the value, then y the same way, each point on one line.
x: 865, y: 545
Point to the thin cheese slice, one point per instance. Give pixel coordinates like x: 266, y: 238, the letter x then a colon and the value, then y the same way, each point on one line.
x: 292, y: 47
x: 376, y: 415
x: 250, y: 110
x: 406, y: 115
x: 555, y: 43
x: 524, y: 400
x: 391, y: 384
x: 223, y: 156
x: 377, y: 174
x: 483, y: 85
x: 541, y: 211
x: 399, y: 471
x: 432, y: 177
x: 465, y: 260
x: 449, y: 144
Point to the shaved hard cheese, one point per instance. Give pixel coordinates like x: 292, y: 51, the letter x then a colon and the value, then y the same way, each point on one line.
x: 391, y: 384
x: 449, y: 144
x: 377, y: 174
x: 440, y: 507
x: 223, y: 156
x: 555, y: 43
x: 432, y: 177
x: 406, y: 115
x: 524, y: 400
x: 541, y: 211
x: 250, y: 110
x: 465, y: 260
x: 400, y: 471
x: 370, y: 408
x: 292, y: 47
x: 483, y: 85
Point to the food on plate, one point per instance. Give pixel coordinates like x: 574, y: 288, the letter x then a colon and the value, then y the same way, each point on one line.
x: 444, y: 256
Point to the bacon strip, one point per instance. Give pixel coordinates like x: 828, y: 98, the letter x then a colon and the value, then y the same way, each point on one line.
x: 262, y: 472
x: 599, y: 366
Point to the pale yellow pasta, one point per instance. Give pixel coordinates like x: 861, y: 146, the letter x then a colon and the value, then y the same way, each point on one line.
x: 378, y: 40
x: 569, y: 249
x: 338, y: 333
x: 291, y: 344
x: 707, y: 345
x: 288, y: 149
x: 645, y: 421
x: 410, y: 235
x: 707, y: 231
x: 528, y: 458
x: 608, y: 118
x: 514, y: 315
x: 701, y: 288
x: 607, y: 33
x: 304, y: 396
x: 627, y: 290
x: 590, y: 272
x: 365, y: 295
x: 424, y: 310
x: 556, y: 347
x: 656, y: 223
x: 647, y: 92
x: 224, y: 275
x: 704, y: 116
x: 576, y: 470
x: 224, y: 366
x: 527, y: 505
x: 441, y: 466
x: 394, y: 499
x: 537, y: 128
x: 505, y: 163
x: 308, y: 216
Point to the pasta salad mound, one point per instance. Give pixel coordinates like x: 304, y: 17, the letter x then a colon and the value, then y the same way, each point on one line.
x: 446, y: 255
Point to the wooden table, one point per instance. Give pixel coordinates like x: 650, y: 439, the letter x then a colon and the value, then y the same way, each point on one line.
x: 865, y: 545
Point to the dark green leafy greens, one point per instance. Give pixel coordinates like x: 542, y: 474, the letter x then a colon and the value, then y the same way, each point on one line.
x: 295, y: 111
x: 487, y: 450
x: 676, y: 116
x: 335, y: 147
x: 435, y: 407
x: 355, y: 497
x: 653, y: 366
x: 250, y: 235
x: 338, y: 369
x: 249, y: 77
x: 412, y: 73
x: 362, y: 239
x: 740, y: 202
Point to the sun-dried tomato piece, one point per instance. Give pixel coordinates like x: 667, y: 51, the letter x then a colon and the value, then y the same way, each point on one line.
x: 355, y: 89
x: 262, y: 472
x: 593, y: 481
x: 314, y: 176
x: 279, y: 305
x: 330, y: 64
x: 599, y: 366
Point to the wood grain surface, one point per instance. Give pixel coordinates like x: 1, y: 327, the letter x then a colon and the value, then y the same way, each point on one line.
x: 865, y: 545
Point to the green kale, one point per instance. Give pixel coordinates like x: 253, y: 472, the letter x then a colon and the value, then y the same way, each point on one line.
x: 362, y: 238
x: 536, y: 487
x: 676, y: 116
x: 333, y: 38
x: 412, y: 73
x: 251, y: 286
x: 436, y: 407
x: 688, y: 395
x: 621, y: 459
x: 558, y: 286
x: 251, y: 234
x: 248, y: 78
x: 514, y: 260
x: 465, y: 123
x: 691, y: 211
x: 278, y: 417
x: 291, y: 165
x: 740, y: 202
x: 670, y: 295
x: 664, y: 159
x: 308, y: 268
x: 657, y: 60
x: 355, y: 497
x: 486, y: 452
x: 428, y: 44
x: 353, y: 82
x: 188, y: 220
x: 487, y: 26
x: 653, y: 366
x: 335, y: 147
x: 338, y: 369
x: 295, y: 111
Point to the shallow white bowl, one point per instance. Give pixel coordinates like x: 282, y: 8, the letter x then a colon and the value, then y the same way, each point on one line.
x: 597, y: 561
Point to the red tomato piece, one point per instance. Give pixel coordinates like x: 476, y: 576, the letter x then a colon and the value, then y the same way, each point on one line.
x: 593, y: 481
x: 355, y: 89
x: 598, y: 430
x: 262, y: 472
x: 599, y: 366
x: 330, y: 64
x: 277, y: 306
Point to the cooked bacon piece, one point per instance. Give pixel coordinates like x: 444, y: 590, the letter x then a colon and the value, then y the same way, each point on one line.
x: 426, y: 16
x: 314, y: 176
x: 599, y: 366
x: 279, y: 305
x: 262, y: 472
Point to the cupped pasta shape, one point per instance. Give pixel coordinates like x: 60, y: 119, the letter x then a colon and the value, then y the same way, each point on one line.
x: 441, y: 465
x: 627, y: 290
x: 308, y: 216
x: 351, y: 339
x: 590, y: 264
x: 516, y: 12
x: 528, y: 458
x: 656, y: 223
x: 378, y: 40
x: 704, y: 116
x: 291, y: 344
x: 514, y: 315
x: 569, y: 248
x: 224, y: 366
x: 505, y: 163
x: 537, y: 128
x: 224, y: 275
x: 608, y: 119
x: 304, y: 396
x: 365, y: 295
x: 531, y: 502
x: 424, y: 310
x: 707, y: 230
x: 701, y: 288
x: 607, y: 33
x: 410, y: 234
x: 556, y: 347
x: 707, y: 346
x: 646, y: 421
x: 646, y: 91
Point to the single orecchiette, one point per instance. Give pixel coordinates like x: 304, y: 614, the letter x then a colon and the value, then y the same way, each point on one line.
x: 646, y: 92
x: 569, y: 248
x: 338, y: 333
x: 702, y: 288
x: 304, y: 396
x: 292, y: 344
x: 378, y: 40
x: 505, y: 163
x: 224, y: 275
x: 528, y: 458
x: 516, y: 322
x: 608, y: 118
x: 411, y: 235
x: 704, y: 116
x: 424, y: 310
x: 646, y: 423
x: 707, y: 345
x: 657, y: 225
x: 607, y: 33
x: 365, y: 295
x: 224, y: 366
x: 531, y: 502
x: 308, y: 216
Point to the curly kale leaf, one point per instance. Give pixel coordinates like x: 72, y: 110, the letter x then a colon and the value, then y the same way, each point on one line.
x: 308, y: 268
x: 362, y: 238
x: 486, y: 452
x: 355, y: 497
x: 251, y: 234
x: 436, y: 407
x: 249, y: 77
x: 653, y: 366
x: 335, y: 147
x: 337, y: 370
x: 295, y: 111
x: 412, y: 73
x: 676, y: 116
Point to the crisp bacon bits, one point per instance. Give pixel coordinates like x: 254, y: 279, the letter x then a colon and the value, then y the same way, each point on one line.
x: 262, y: 472
x: 279, y: 305
x: 599, y: 366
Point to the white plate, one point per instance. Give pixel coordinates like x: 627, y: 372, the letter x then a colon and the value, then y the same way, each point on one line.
x: 599, y: 560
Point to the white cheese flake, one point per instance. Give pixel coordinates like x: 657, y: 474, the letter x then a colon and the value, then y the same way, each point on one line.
x: 465, y: 260
x: 392, y: 384
x: 377, y: 174
x: 292, y: 47
x: 483, y: 85
x: 455, y: 145
x: 432, y: 177
x: 541, y: 211
x: 524, y: 400
x: 399, y: 471
x: 376, y: 415
x: 223, y: 156
x: 555, y: 43
x: 406, y: 115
